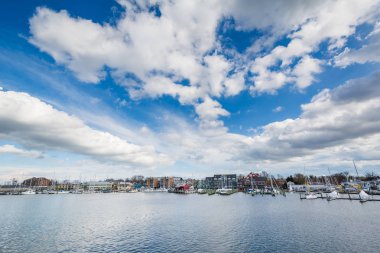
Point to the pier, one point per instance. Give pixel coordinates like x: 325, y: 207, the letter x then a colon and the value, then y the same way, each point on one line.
x: 343, y: 196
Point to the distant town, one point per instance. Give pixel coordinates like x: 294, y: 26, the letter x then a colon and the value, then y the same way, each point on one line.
x: 258, y: 182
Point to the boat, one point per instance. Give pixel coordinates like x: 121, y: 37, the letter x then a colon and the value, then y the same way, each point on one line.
x: 308, y: 193
x: 28, y: 192
x: 332, y: 195
x: 78, y: 191
x: 363, y: 196
x: 63, y: 192
x: 201, y: 191
x: 311, y: 195
x: 225, y: 191
x: 211, y: 192
x: 150, y: 190
x: 275, y: 190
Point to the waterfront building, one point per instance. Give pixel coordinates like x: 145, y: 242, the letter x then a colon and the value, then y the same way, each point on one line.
x: 164, y: 182
x: 95, y: 186
x: 178, y: 181
x: 37, y: 182
x: 254, y: 180
x: 159, y: 182
x: 209, y: 183
x: 149, y: 182
x: 171, y: 182
x: 296, y: 187
x: 221, y: 181
x: 156, y: 183
x: 124, y: 186
x: 260, y: 182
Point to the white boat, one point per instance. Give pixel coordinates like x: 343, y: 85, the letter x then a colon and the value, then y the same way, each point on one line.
x: 363, y: 196
x: 225, y: 191
x: 63, y: 192
x: 28, y: 192
x: 332, y: 195
x: 77, y: 192
x: 311, y: 195
x: 200, y: 191
x: 150, y: 190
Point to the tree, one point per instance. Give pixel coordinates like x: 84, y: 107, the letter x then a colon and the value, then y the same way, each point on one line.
x: 290, y: 179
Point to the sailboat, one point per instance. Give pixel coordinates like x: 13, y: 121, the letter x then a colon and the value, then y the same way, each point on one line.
x: 332, y: 195
x: 311, y: 195
x: 308, y: 194
x: 363, y: 196
x: 28, y: 192
x: 225, y: 191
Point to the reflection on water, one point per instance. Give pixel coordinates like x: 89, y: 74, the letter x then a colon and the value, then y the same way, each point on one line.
x: 163, y: 222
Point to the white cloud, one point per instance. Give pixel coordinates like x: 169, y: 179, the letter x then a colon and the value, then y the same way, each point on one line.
x: 334, y: 123
x: 370, y: 52
x: 278, y: 109
x: 305, y: 70
x: 152, y: 56
x: 335, y: 127
x: 209, y: 111
x: 278, y: 16
x: 332, y: 21
x: 179, y: 55
x: 234, y: 84
x: 159, y: 51
x: 11, y: 149
x: 37, y: 125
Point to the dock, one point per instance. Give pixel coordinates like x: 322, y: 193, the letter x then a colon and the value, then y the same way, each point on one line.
x: 343, y: 196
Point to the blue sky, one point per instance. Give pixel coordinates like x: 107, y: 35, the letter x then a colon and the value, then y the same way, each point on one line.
x: 115, y: 88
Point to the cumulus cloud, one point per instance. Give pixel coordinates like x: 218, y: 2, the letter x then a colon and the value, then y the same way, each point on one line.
x: 278, y: 109
x: 336, y: 126
x: 159, y: 52
x: 37, y: 125
x: 334, y: 122
x: 370, y: 52
x: 331, y: 21
x: 11, y: 149
x: 209, y: 111
x: 278, y: 16
x: 178, y: 53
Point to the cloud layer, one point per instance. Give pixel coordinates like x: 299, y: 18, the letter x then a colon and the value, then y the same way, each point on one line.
x: 176, y: 51
x: 342, y: 122
x: 160, y: 48
x: 11, y: 149
x: 37, y: 125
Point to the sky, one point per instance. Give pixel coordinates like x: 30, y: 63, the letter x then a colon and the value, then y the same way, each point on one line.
x: 110, y: 89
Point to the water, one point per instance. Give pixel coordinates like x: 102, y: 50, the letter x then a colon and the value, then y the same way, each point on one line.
x: 162, y: 222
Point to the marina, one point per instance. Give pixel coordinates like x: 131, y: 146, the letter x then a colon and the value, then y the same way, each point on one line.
x: 329, y: 188
x: 189, y: 126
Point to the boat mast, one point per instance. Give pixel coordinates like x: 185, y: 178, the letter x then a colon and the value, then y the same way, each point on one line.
x: 357, y: 174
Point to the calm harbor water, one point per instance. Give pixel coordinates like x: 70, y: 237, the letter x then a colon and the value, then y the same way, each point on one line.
x: 161, y: 222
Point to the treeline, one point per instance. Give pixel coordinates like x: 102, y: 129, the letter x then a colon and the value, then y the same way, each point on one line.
x: 336, y: 178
